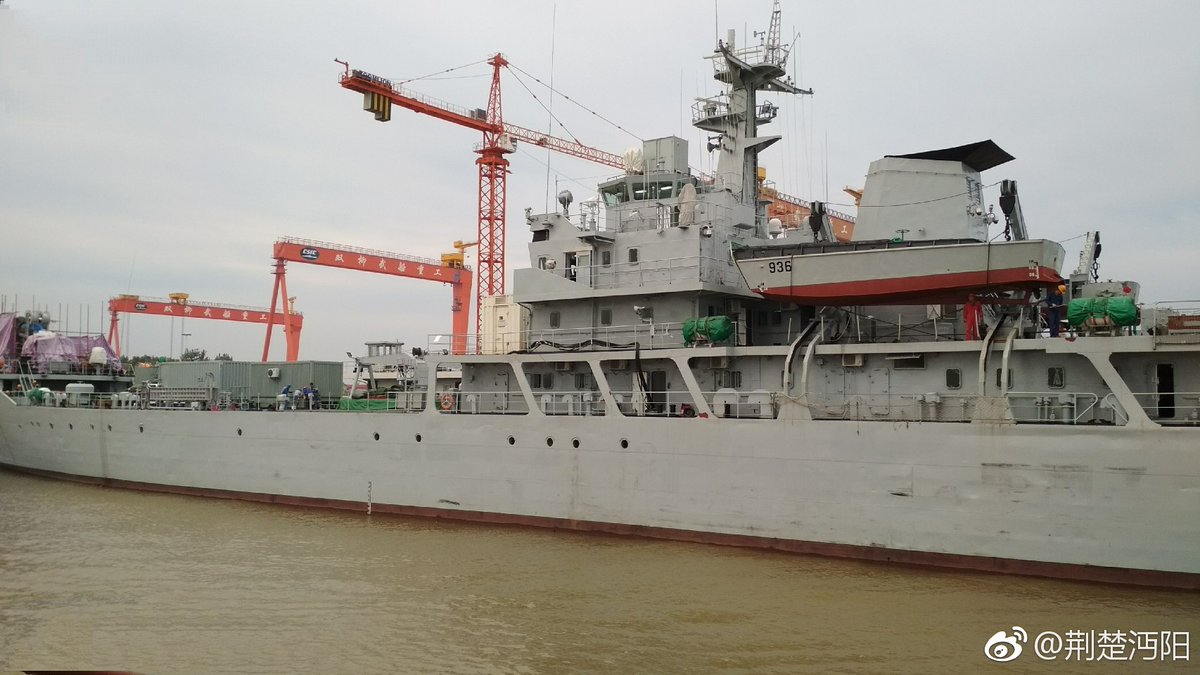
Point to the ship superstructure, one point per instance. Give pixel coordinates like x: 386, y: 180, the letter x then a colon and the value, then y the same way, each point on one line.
x: 675, y: 364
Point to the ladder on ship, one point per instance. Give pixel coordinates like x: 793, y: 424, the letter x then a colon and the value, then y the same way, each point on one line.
x: 25, y: 375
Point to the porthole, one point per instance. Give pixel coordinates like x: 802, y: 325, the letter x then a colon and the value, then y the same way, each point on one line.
x: 93, y: 426
x: 141, y: 429
x: 239, y: 431
x: 52, y: 425
x: 624, y: 444
x: 512, y: 441
x: 418, y: 437
x: 376, y: 435
x: 71, y: 426
x: 574, y: 442
x: 549, y: 442
x: 110, y: 427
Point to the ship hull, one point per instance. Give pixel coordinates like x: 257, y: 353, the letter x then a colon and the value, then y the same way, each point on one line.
x: 1102, y: 504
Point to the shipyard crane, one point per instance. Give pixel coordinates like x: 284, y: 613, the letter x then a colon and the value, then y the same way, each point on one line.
x: 498, y: 140
x: 180, y: 304
x: 458, y: 258
x: 449, y: 270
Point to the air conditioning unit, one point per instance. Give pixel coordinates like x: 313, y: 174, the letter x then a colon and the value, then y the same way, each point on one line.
x: 563, y: 366
x: 718, y: 362
x: 852, y: 360
x: 273, y: 373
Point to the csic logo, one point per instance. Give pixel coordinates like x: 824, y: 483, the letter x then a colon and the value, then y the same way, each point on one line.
x: 1003, y: 648
x: 140, y: 306
x: 310, y: 253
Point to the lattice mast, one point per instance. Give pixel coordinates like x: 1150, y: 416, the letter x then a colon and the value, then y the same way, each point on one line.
x: 493, y: 193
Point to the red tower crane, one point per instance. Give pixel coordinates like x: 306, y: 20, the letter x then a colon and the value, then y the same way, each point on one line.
x: 380, y: 93
x: 179, y: 305
x: 449, y: 270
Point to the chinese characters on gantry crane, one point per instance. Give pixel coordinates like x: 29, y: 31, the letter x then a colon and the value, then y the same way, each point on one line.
x: 178, y: 304
x: 449, y: 270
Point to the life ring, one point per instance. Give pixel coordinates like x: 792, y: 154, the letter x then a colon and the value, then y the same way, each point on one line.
x: 446, y: 401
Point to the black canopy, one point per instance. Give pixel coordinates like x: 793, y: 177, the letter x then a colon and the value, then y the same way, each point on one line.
x: 980, y: 156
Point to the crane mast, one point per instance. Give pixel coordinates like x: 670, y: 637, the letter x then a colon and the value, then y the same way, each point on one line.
x: 493, y: 194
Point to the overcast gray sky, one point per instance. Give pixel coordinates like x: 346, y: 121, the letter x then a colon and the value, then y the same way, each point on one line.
x: 153, y: 147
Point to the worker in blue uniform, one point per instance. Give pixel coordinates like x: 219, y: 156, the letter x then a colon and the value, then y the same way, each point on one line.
x: 1054, y: 304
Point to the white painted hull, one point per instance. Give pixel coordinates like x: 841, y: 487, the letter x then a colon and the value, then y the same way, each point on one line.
x: 1108, y: 497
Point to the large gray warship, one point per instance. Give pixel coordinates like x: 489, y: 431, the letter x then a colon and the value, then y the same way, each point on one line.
x: 676, y: 363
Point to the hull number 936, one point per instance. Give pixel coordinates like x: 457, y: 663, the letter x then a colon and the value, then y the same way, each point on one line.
x: 781, y: 266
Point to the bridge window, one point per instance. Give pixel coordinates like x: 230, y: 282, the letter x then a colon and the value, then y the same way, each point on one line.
x: 606, y: 258
x: 605, y: 316
x: 633, y: 255
x: 555, y: 319
x: 653, y: 190
x: 614, y: 194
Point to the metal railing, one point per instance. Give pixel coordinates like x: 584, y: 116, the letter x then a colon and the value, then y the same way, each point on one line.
x: 1050, y: 407
x: 416, y: 260
x: 649, y: 335
x: 1174, y: 407
x: 470, y: 402
x: 663, y: 270
x: 63, y: 368
x: 893, y: 407
x: 1170, y: 318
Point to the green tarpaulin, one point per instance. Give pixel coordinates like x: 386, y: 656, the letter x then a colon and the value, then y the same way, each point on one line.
x: 1119, y: 309
x: 709, y: 328
x: 366, y: 404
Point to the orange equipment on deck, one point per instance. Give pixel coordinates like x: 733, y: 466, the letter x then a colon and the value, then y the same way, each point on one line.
x: 450, y: 271
x: 179, y: 305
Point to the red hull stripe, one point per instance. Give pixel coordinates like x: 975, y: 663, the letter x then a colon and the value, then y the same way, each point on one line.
x: 1109, y: 575
x: 931, y: 287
